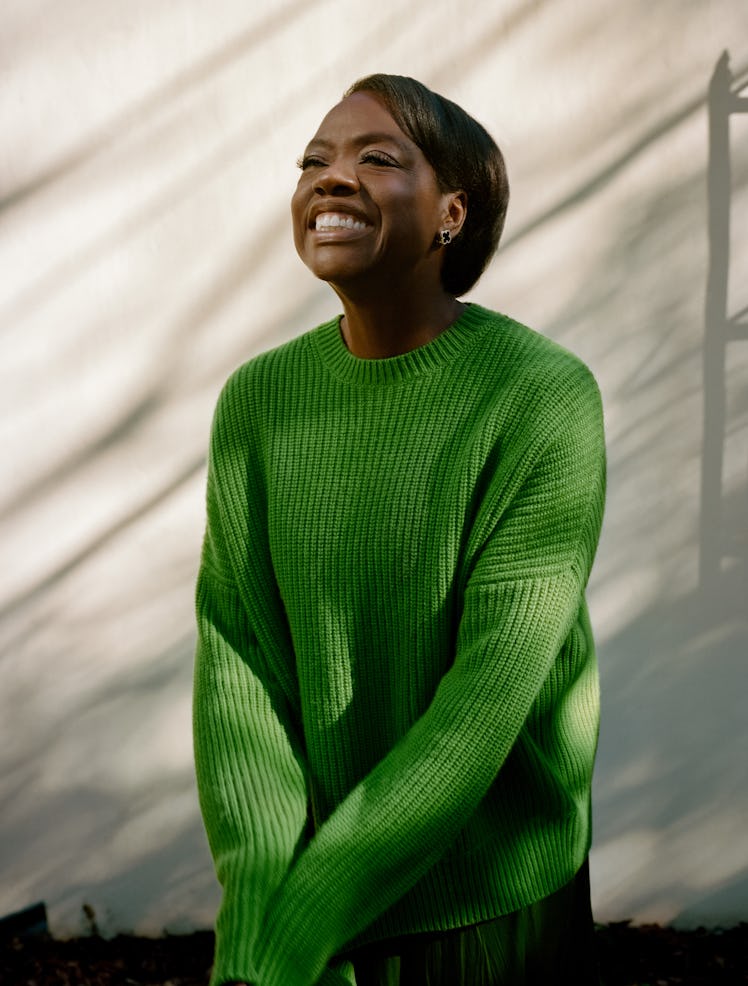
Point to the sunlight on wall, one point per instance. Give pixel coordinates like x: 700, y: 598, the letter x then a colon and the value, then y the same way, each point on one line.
x: 145, y: 245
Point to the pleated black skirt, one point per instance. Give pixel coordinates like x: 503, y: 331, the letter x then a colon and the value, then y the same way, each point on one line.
x: 549, y: 943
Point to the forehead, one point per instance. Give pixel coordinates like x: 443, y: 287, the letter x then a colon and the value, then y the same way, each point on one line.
x: 358, y: 116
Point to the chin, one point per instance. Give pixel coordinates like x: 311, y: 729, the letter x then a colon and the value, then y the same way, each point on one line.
x: 338, y: 274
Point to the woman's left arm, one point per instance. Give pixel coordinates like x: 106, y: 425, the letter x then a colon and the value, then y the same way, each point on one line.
x: 527, y: 579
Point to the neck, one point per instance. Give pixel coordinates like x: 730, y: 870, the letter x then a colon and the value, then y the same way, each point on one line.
x: 390, y: 326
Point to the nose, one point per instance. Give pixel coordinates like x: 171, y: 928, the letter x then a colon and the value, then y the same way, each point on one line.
x: 336, y: 178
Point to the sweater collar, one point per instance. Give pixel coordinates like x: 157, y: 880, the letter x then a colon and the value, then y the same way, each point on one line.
x: 447, y: 346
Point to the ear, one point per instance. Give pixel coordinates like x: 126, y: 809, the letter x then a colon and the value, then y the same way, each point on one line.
x: 455, y: 211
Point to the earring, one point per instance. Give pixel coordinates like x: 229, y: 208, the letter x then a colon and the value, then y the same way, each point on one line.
x: 445, y: 237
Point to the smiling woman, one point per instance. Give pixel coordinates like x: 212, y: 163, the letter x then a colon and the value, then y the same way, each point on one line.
x: 396, y: 702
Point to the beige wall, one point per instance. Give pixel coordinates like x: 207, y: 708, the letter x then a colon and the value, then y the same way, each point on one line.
x: 145, y: 168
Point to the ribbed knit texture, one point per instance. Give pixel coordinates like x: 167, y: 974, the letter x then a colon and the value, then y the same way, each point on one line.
x: 396, y: 698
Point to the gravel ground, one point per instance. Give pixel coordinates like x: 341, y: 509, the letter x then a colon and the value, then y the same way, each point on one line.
x: 629, y: 956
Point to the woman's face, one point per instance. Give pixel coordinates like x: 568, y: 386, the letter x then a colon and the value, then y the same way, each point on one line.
x: 367, y: 207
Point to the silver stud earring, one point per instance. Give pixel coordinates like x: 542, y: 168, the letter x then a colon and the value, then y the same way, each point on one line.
x: 445, y: 237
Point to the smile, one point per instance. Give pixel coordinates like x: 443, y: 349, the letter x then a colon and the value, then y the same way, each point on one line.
x: 336, y: 220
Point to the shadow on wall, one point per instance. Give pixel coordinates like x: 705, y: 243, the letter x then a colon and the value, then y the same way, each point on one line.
x: 671, y: 794
x: 151, y: 104
x: 672, y: 673
x: 722, y: 333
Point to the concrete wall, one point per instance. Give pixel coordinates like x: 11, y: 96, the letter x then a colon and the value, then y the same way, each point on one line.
x: 146, y: 165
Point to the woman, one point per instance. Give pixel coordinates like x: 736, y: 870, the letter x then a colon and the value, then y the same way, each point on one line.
x: 396, y: 700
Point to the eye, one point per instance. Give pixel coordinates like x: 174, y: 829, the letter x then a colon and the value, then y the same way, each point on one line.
x: 379, y: 158
x: 310, y: 161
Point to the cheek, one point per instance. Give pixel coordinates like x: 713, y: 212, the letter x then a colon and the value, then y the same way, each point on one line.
x: 420, y: 210
x: 298, y: 220
x: 414, y: 226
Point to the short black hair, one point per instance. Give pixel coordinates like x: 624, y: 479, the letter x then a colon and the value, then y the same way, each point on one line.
x: 464, y: 157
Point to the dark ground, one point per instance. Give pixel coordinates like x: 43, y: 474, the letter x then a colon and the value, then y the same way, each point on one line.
x: 629, y: 956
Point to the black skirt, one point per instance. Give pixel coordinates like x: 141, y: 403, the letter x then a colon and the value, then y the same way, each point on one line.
x: 549, y: 943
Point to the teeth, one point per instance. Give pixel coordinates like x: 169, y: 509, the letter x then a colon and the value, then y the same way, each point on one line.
x: 334, y: 220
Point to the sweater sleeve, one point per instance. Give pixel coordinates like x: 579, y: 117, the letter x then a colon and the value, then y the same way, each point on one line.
x: 528, y: 570
x: 251, y: 772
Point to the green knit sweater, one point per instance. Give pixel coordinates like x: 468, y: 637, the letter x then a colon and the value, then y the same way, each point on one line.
x: 396, y: 697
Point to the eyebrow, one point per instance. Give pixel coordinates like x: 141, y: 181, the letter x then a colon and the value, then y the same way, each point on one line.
x: 362, y: 140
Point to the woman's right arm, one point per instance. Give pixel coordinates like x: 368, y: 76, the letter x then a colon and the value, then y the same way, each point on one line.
x: 250, y: 770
